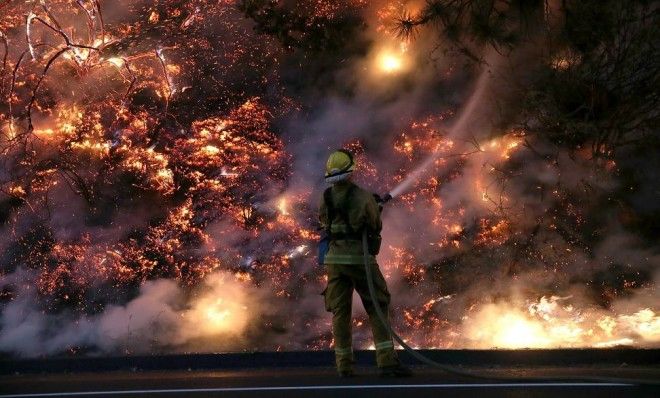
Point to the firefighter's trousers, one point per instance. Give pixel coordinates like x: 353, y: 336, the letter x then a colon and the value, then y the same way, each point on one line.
x: 342, y: 280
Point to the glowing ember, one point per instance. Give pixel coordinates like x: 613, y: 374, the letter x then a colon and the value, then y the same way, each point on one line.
x: 152, y: 164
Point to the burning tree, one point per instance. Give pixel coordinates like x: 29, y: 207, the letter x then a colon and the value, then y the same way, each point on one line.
x: 155, y: 171
x: 598, y: 71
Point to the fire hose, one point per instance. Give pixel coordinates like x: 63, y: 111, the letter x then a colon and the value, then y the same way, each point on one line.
x: 455, y: 370
x: 383, y: 319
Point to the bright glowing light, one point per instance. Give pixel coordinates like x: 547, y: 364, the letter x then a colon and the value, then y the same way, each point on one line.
x: 515, y: 331
x: 501, y: 326
x: 297, y: 251
x: 116, y: 61
x: 549, y: 323
x: 282, y: 206
x: 211, y: 150
x: 645, y: 323
x: 216, y: 314
x: 390, y: 62
x: 220, y: 310
x: 618, y: 342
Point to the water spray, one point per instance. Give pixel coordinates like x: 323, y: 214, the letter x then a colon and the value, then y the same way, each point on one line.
x: 403, y: 186
x: 458, y: 128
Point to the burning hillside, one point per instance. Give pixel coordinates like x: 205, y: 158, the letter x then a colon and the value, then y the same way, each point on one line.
x: 161, y: 167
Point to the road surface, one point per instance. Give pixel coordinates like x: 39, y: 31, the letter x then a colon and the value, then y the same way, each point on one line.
x: 322, y: 382
x: 515, y: 374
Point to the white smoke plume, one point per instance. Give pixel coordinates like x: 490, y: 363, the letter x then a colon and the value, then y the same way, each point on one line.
x: 212, y: 317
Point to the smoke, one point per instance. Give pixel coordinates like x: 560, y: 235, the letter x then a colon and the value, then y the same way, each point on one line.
x: 212, y: 317
x: 197, y: 241
x: 467, y: 116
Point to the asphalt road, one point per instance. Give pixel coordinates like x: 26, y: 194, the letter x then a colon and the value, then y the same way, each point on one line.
x: 322, y: 382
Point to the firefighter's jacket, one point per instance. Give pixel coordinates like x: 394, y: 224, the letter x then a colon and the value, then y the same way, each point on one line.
x: 361, y: 211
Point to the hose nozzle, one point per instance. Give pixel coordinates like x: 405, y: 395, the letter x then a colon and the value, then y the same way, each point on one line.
x: 381, y: 200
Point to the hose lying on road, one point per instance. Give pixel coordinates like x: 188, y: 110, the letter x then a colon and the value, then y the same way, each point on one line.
x: 462, y: 372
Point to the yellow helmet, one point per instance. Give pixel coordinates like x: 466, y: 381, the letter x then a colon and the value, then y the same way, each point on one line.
x: 339, y: 166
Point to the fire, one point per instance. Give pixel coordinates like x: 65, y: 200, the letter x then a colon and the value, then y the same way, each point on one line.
x: 215, y: 315
x: 392, y: 58
x: 390, y: 62
x: 645, y: 323
x: 513, y: 330
x: 116, y: 61
x: 220, y: 310
x: 282, y: 206
x: 211, y: 150
x: 145, y: 149
x: 547, y: 323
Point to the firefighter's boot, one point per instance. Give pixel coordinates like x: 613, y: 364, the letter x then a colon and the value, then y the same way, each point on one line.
x: 394, y: 371
x: 344, y: 360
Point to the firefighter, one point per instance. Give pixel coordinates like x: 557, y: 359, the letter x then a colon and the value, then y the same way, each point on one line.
x: 345, y: 211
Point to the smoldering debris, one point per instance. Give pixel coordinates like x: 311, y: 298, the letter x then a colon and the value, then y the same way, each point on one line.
x: 160, y: 180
